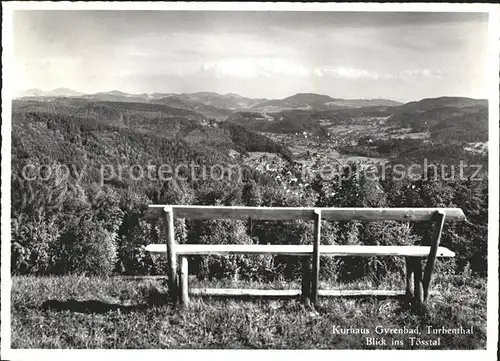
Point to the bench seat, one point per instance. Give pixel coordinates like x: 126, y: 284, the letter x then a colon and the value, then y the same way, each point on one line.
x: 292, y: 293
x: 300, y: 250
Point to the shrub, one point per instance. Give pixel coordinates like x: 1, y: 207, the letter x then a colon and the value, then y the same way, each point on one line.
x: 87, y: 248
x: 217, y: 232
x: 132, y: 257
x: 369, y: 233
x: 258, y: 268
x: 34, y: 240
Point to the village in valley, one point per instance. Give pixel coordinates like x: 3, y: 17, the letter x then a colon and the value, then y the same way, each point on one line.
x: 313, y: 155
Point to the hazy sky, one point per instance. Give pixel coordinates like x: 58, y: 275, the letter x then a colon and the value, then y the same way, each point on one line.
x: 402, y: 56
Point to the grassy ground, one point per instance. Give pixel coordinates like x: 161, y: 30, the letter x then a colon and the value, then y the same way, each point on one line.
x: 124, y: 313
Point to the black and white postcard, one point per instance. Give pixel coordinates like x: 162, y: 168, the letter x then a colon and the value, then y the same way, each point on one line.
x: 243, y: 176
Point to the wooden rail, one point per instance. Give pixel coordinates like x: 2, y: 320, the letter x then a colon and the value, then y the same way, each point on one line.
x: 307, y: 214
x: 417, y: 284
x: 222, y: 292
x: 299, y: 250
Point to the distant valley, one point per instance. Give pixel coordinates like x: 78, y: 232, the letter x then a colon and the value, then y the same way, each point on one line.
x: 214, y: 105
x: 303, y: 127
x: 463, y: 119
x: 286, y: 152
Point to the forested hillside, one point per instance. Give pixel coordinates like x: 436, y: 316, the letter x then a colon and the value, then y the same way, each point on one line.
x: 287, y: 121
x: 89, y: 220
x: 447, y: 118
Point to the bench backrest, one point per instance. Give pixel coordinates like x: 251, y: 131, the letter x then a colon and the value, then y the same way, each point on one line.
x: 300, y: 213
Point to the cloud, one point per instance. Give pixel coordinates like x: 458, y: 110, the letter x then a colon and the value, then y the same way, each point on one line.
x: 345, y: 72
x: 355, y: 73
x: 421, y: 73
x: 255, y: 67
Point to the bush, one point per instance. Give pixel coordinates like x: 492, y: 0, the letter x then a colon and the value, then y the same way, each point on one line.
x: 257, y: 268
x: 87, y: 248
x: 369, y: 233
x: 34, y: 241
x: 132, y: 256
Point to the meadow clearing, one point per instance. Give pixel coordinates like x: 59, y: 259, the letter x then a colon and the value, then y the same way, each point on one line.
x: 120, y: 312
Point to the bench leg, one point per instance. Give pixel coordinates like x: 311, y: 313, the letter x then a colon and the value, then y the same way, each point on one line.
x: 417, y: 278
x: 410, y: 271
x: 173, y: 280
x: 184, y: 287
x: 431, y: 259
x: 306, y: 277
x: 315, y: 257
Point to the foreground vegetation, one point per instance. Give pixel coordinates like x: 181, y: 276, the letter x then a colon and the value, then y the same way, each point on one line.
x: 70, y: 216
x: 123, y: 313
x: 90, y: 223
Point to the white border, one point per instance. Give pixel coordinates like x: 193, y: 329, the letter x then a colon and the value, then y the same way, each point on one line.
x: 493, y: 180
x: 7, y: 71
x: 493, y: 67
x: 231, y: 6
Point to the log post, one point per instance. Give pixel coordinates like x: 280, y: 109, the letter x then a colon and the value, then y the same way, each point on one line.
x: 417, y: 278
x: 410, y: 269
x: 306, y: 277
x: 431, y: 258
x: 315, y: 262
x: 171, y: 255
x: 184, y: 281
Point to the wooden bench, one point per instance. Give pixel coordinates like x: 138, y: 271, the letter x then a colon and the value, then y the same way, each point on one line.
x: 417, y: 283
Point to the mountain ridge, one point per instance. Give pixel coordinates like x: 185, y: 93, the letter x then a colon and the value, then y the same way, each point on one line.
x: 298, y: 112
x: 203, y: 94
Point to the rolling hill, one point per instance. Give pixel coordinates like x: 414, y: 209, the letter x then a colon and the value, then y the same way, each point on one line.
x: 227, y: 102
x: 289, y: 121
x: 132, y: 123
x: 230, y: 101
x: 308, y: 101
x: 211, y: 105
x: 452, y: 118
x: 117, y: 96
x: 455, y: 118
x: 210, y: 111
x: 311, y: 121
x: 59, y: 92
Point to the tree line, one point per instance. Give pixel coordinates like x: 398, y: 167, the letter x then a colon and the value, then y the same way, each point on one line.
x: 75, y: 224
